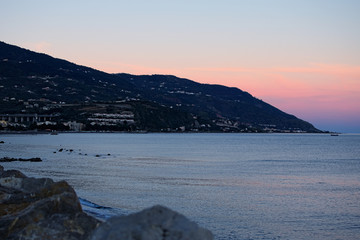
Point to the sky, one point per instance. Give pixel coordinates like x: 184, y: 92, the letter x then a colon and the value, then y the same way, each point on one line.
x: 302, y: 57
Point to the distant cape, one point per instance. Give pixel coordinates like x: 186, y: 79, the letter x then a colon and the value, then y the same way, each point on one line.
x: 157, y: 102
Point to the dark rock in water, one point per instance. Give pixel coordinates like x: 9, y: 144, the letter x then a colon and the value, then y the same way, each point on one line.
x: 97, y: 155
x: 61, y: 149
x: 33, y: 208
x: 154, y: 223
x: 7, y: 159
x: 2, y: 142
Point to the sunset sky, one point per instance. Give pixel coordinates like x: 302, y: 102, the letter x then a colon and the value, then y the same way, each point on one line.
x: 302, y: 56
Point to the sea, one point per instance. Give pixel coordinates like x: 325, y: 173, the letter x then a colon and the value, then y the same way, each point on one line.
x: 239, y: 186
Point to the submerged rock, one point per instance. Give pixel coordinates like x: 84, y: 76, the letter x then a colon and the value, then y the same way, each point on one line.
x: 154, y: 223
x: 7, y: 159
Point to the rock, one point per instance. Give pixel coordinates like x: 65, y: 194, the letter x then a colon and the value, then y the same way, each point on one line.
x: 10, y: 173
x: 2, y: 142
x: 154, y: 223
x: 39, y: 208
x: 32, y: 208
x: 7, y: 159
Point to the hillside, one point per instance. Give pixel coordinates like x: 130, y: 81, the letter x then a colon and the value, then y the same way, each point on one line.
x: 34, y: 83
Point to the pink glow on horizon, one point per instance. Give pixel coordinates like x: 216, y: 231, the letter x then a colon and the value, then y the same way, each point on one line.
x: 318, y: 92
x: 293, y: 82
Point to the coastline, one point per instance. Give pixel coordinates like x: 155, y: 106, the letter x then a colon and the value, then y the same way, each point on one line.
x: 165, y: 132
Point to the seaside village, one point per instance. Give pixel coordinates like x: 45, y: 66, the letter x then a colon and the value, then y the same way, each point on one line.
x: 45, y: 115
x: 46, y: 122
x: 38, y: 114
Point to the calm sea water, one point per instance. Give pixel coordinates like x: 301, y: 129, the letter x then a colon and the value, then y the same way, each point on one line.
x: 240, y: 186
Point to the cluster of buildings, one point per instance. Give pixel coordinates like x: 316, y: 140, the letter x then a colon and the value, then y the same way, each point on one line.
x: 112, y: 119
x: 99, y: 119
x: 24, y: 120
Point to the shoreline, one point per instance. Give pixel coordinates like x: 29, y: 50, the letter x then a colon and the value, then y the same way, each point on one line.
x: 149, y: 132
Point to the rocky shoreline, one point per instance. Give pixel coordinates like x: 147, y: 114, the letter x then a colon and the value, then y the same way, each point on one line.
x: 39, y: 208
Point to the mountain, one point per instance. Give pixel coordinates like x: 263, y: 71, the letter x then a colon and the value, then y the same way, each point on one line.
x: 35, y: 83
